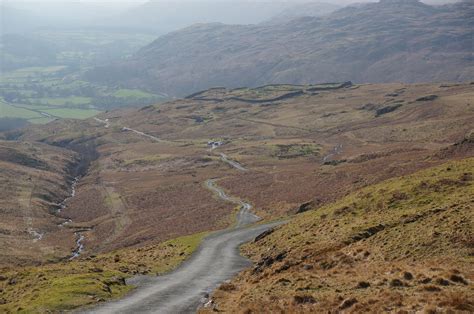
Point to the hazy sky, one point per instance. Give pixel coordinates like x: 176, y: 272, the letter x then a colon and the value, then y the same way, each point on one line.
x: 138, y: 2
x: 96, y: 9
x: 52, y: 5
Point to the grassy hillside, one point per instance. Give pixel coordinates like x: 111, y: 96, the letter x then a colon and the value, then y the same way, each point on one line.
x: 405, y: 244
x: 67, y: 285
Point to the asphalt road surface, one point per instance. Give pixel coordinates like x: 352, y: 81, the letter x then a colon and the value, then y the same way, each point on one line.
x: 245, y: 216
x: 185, y: 289
x: 231, y: 162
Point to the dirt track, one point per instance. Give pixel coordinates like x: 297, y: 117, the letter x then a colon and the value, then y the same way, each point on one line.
x: 216, y: 260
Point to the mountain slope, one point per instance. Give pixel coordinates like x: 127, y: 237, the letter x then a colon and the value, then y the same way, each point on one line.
x: 33, y: 177
x: 380, y: 42
x: 402, y: 245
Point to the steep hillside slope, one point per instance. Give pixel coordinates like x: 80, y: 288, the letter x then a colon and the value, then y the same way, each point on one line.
x: 33, y: 177
x: 390, y: 41
x: 404, y: 245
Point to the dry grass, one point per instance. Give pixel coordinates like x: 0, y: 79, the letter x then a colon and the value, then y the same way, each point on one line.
x: 64, y: 286
x: 32, y: 177
x: 387, y: 254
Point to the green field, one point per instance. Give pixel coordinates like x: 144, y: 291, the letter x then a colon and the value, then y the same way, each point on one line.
x: 43, y: 115
x: 48, y: 82
x: 61, y: 101
x: 9, y: 111
x: 72, y: 113
x: 42, y: 94
x: 31, y: 72
x: 132, y: 93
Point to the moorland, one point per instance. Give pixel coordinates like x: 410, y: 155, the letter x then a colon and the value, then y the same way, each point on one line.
x: 303, y: 157
x: 371, y: 164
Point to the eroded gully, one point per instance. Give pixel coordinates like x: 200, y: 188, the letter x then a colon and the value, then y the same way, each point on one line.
x: 79, y: 234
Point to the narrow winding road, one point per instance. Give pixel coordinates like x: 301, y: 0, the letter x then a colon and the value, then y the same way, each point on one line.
x: 216, y: 260
x: 143, y: 134
x: 231, y: 162
x: 245, y: 216
x: 185, y: 289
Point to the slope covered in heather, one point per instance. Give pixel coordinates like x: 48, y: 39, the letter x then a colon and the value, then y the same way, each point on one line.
x: 405, y: 244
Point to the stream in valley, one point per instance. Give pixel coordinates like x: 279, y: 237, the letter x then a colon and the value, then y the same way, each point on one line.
x: 80, y: 237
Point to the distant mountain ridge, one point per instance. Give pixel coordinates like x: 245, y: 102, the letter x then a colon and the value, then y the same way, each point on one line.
x: 166, y: 16
x: 393, y: 40
x: 301, y: 10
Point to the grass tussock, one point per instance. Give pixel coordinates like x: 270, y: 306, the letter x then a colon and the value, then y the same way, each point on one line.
x: 404, y: 244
